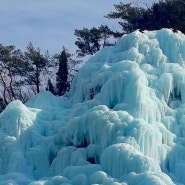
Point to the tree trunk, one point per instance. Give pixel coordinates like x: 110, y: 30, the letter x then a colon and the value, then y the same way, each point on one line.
x: 11, y: 82
x: 4, y: 90
x: 37, y: 80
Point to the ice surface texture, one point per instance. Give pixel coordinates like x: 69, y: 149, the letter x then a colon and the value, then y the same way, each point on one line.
x: 122, y: 123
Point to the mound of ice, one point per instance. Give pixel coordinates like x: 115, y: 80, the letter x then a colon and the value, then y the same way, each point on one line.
x: 123, y: 121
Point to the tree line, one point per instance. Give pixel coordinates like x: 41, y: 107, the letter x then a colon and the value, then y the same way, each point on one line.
x: 131, y: 17
x: 23, y: 74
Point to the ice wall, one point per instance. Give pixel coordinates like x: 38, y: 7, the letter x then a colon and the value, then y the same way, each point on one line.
x: 122, y: 123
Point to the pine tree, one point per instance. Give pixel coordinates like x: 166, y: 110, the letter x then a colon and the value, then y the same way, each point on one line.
x: 37, y: 64
x: 62, y: 83
x: 12, y: 67
x: 89, y: 41
x: 129, y: 16
x: 162, y: 14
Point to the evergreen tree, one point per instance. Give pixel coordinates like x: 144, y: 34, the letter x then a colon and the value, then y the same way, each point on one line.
x: 62, y: 83
x: 128, y: 16
x: 162, y: 14
x: 2, y: 104
x: 105, y: 33
x: 37, y: 64
x: 12, y: 67
x: 168, y: 14
x: 89, y: 41
x: 84, y: 42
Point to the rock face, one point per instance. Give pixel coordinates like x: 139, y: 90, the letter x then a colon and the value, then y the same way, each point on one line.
x: 123, y: 121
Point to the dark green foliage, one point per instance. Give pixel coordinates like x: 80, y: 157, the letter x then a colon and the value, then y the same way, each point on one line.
x: 24, y: 74
x: 84, y: 43
x: 12, y: 59
x: 2, y: 105
x: 169, y: 14
x: 62, y: 83
x: 105, y: 33
x: 11, y: 65
x: 129, y: 14
x: 162, y: 14
x: 89, y: 41
x: 37, y: 63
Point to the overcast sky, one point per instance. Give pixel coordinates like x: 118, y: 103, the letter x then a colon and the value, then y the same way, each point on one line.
x: 50, y: 24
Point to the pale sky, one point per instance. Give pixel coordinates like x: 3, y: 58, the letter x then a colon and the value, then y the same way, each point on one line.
x: 50, y: 24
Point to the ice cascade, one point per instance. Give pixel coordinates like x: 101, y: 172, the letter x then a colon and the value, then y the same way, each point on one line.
x: 122, y: 123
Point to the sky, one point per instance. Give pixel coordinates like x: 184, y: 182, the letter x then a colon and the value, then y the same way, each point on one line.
x: 50, y: 24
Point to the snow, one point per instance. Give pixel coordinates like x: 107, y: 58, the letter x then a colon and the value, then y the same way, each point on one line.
x: 122, y: 123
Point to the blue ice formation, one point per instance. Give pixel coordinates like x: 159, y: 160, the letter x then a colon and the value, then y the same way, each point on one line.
x: 122, y: 123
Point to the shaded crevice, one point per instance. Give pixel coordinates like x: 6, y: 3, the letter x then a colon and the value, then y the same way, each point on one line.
x: 52, y: 156
x: 93, y: 91
x: 91, y: 160
x: 83, y: 144
x: 175, y: 96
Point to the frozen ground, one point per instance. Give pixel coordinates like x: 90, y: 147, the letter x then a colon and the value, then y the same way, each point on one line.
x: 122, y: 123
